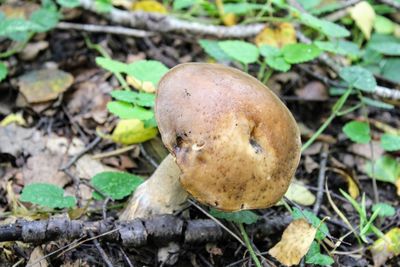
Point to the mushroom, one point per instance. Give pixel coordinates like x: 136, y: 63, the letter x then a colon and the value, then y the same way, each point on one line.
x: 233, y: 144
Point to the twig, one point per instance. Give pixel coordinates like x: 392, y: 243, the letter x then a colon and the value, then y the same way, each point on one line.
x: 162, y: 23
x: 116, y: 152
x: 148, y: 157
x: 80, y: 154
x: 321, y: 178
x: 391, y: 3
x: 104, y: 29
x: 341, y: 11
x: 101, y: 251
x: 105, y: 207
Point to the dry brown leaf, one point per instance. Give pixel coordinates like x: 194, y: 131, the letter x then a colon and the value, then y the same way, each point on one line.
x: 386, y: 247
x: 32, y: 50
x: 352, y: 186
x: 44, y: 85
x: 18, y: 11
x: 277, y: 35
x: 295, y: 243
x: 314, y: 90
x: 299, y: 193
x: 37, y: 254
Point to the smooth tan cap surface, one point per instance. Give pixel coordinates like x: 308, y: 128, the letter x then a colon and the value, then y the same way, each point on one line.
x: 235, y: 142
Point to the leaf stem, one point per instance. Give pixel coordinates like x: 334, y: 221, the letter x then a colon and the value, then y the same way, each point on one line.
x: 248, y: 245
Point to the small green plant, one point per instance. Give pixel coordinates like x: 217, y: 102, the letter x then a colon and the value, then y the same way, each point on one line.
x: 115, y: 185
x: 47, y: 196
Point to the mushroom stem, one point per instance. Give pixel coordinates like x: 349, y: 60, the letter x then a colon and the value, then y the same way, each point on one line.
x: 160, y: 194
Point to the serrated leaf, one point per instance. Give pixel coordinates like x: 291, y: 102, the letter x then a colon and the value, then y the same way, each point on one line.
x: 390, y: 142
x: 45, y: 18
x: 357, y: 131
x: 359, y: 78
x: 3, y: 71
x: 111, y: 65
x: 364, y: 15
x: 386, y: 169
x: 390, y: 69
x: 341, y: 47
x: 274, y: 58
x: 116, y: 185
x: 243, y: 216
x: 385, y: 210
x: 69, y: 3
x: 47, y: 195
x: 326, y: 27
x: 126, y: 110
x: 141, y: 99
x: 17, y: 29
x: 314, y: 256
x: 128, y: 132
x: 383, y: 25
x: 241, y: 51
x: 147, y: 71
x: 298, y: 53
x: 376, y: 103
x: 322, y: 231
x: 212, y: 49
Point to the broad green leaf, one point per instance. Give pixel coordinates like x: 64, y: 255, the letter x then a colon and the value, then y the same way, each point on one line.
x: 103, y: 6
x: 386, y: 169
x: 298, y: 53
x: 390, y: 142
x: 116, y: 185
x: 181, y: 4
x: 17, y: 29
x: 244, y: 216
x: 47, y: 195
x: 340, y: 47
x: 126, y: 110
x: 133, y: 131
x: 147, y: 71
x: 383, y: 25
x: 3, y: 71
x: 46, y: 19
x: 323, y: 230
x: 243, y: 8
x: 212, y: 49
x: 274, y: 58
x: 141, y: 99
x: 269, y: 51
x: 111, y: 65
x: 69, y: 3
x: 376, y: 103
x: 385, y: 210
x: 357, y: 131
x: 390, y: 69
x: 326, y: 27
x: 388, y: 48
x: 241, y: 51
x: 309, y: 4
x: 359, y: 78
x: 314, y: 256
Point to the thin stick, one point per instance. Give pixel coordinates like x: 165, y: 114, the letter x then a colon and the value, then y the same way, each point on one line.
x: 101, y: 251
x: 80, y: 154
x: 115, y: 152
x: 321, y: 178
x: 105, y: 29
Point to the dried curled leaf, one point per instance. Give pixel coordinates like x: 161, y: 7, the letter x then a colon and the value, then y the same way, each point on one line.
x: 277, y: 35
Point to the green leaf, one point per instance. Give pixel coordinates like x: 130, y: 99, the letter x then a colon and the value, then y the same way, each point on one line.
x: 147, y: 71
x: 17, y: 29
x: 181, y: 4
x: 390, y: 142
x: 45, y: 18
x: 322, y: 231
x: 47, y: 195
x: 125, y: 110
x: 274, y: 58
x: 244, y: 216
x: 390, y: 69
x: 141, y: 99
x: 389, y: 48
x: 357, y: 131
x: 116, y: 185
x: 111, y: 65
x: 326, y: 27
x: 309, y: 4
x: 103, y: 6
x: 383, y: 25
x: 376, y: 103
x: 69, y: 3
x: 359, y: 78
x: 244, y: 8
x: 3, y: 71
x: 213, y: 50
x: 241, y: 51
x: 314, y: 256
x: 340, y: 47
x: 385, y: 210
x: 386, y: 169
x: 298, y: 53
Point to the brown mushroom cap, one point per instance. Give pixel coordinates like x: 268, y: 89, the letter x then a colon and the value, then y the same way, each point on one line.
x: 235, y: 142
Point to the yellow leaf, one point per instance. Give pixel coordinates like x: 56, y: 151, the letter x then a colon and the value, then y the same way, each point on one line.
x: 147, y: 87
x: 364, y: 16
x: 150, y: 6
x: 132, y: 131
x: 398, y: 186
x: 386, y: 247
x: 229, y: 19
x: 13, y: 117
x: 298, y: 193
x: 352, y: 186
x: 295, y: 243
x: 277, y: 35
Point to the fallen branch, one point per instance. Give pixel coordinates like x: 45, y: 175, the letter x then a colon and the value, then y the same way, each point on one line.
x: 104, y: 29
x: 158, y: 230
x: 163, y: 23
